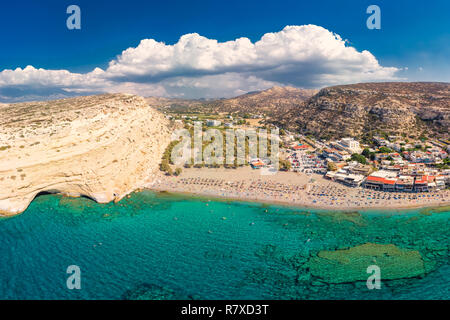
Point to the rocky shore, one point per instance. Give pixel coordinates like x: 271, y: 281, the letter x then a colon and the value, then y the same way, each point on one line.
x: 102, y: 147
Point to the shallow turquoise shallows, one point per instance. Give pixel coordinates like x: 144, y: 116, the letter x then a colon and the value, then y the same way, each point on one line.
x: 156, y: 246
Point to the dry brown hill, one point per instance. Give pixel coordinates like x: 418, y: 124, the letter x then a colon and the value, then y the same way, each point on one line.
x: 276, y: 100
x: 346, y: 110
x: 273, y: 101
x: 397, y: 107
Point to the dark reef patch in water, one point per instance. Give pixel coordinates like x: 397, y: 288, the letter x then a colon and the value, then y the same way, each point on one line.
x: 349, y: 265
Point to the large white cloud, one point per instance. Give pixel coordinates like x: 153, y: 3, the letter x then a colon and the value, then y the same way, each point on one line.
x: 47, y: 78
x: 195, y: 66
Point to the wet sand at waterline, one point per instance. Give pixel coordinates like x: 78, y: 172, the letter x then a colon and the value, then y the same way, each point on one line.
x: 290, y: 188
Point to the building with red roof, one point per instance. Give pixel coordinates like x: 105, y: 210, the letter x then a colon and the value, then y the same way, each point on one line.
x: 300, y: 147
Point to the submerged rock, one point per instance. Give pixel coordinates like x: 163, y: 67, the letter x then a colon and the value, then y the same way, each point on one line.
x: 430, y: 211
x: 349, y: 265
x: 339, y: 216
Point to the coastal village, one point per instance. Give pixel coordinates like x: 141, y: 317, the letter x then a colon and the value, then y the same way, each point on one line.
x: 392, y: 170
x: 388, y: 163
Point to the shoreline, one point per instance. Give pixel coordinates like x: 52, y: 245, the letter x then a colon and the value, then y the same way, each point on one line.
x: 218, y: 197
x: 287, y: 189
x: 204, y: 196
x: 291, y: 189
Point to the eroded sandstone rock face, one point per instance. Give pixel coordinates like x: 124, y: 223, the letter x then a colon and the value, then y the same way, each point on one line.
x: 102, y: 147
x: 352, y: 110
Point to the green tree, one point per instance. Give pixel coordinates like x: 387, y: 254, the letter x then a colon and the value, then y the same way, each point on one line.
x: 331, y: 166
x: 385, y: 150
x: 285, y: 165
x: 366, y: 152
x: 359, y: 158
x: 164, y: 166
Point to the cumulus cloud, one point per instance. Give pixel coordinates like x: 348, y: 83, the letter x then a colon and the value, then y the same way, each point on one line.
x: 34, y: 84
x: 31, y: 76
x: 303, y: 56
x: 298, y: 55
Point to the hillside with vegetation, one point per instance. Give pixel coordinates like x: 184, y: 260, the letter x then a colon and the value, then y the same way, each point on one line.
x: 414, y: 109
x: 275, y: 101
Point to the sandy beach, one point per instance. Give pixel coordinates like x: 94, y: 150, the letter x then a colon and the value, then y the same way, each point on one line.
x: 290, y: 188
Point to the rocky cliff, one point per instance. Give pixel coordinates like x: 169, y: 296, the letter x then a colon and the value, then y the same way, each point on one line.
x: 102, y: 147
x: 351, y: 110
x: 272, y: 102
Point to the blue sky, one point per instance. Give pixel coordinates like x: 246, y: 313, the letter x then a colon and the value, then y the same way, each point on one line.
x: 414, y: 39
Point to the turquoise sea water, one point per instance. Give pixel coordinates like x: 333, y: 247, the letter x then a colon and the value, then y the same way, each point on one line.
x: 156, y: 246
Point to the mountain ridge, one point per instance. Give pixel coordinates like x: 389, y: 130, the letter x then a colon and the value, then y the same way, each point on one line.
x: 399, y: 107
x: 411, y: 108
x: 269, y: 101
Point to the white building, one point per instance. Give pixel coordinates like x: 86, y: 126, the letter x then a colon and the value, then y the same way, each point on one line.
x: 350, y: 145
x: 343, y: 176
x: 213, y: 123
